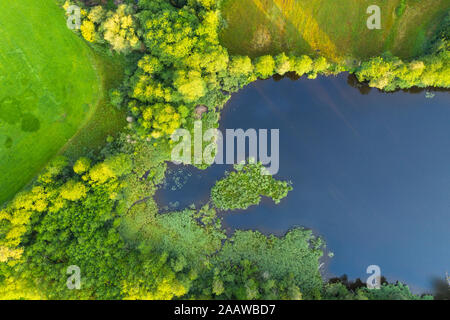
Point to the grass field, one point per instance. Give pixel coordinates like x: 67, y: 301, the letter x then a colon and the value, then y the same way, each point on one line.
x: 336, y: 29
x: 51, y: 88
x: 105, y: 120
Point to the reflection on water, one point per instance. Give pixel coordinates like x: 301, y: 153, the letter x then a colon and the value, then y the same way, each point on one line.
x: 371, y: 173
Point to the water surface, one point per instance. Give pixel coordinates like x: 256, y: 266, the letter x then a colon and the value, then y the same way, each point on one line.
x: 371, y: 174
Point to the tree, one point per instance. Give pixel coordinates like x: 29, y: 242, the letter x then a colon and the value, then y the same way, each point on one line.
x: 240, y: 66
x: 320, y: 65
x: 73, y: 190
x: 190, y: 85
x: 82, y: 165
x: 301, y: 65
x: 377, y: 71
x: 88, y: 30
x: 120, y: 29
x: 282, y: 64
x: 264, y: 66
x: 150, y: 64
x: 97, y: 14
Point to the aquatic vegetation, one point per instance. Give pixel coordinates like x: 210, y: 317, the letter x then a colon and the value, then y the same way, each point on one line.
x: 245, y: 186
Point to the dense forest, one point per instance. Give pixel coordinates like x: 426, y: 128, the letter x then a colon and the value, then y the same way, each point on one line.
x: 98, y: 212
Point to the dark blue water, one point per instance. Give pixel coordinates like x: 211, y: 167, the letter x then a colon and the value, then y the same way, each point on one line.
x: 371, y: 174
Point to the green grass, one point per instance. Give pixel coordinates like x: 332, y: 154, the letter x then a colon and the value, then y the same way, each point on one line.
x: 106, y: 119
x: 334, y: 28
x: 51, y: 86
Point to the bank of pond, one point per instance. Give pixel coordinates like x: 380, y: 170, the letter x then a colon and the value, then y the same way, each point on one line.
x: 370, y: 173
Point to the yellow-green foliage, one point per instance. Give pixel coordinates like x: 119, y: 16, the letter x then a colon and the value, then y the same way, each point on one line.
x: 112, y: 168
x: 82, y: 165
x: 240, y: 65
x: 389, y: 73
x: 166, y: 284
x: 150, y: 64
x: 51, y: 193
x: 185, y: 68
x: 88, y: 30
x: 149, y: 90
x: 166, y: 289
x: 120, y: 29
x: 264, y: 66
x: 15, y: 218
x: 161, y: 119
x: 282, y: 64
x: 301, y: 65
x: 73, y: 190
x: 190, y: 85
x: 18, y: 289
x: 97, y: 14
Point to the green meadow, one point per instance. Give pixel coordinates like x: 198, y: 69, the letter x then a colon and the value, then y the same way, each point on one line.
x: 51, y: 88
x: 335, y: 29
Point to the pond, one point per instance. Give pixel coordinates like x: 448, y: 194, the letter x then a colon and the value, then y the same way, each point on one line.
x: 370, y: 171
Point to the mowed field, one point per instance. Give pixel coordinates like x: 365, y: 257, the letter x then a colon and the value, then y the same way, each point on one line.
x: 50, y: 87
x: 336, y: 29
